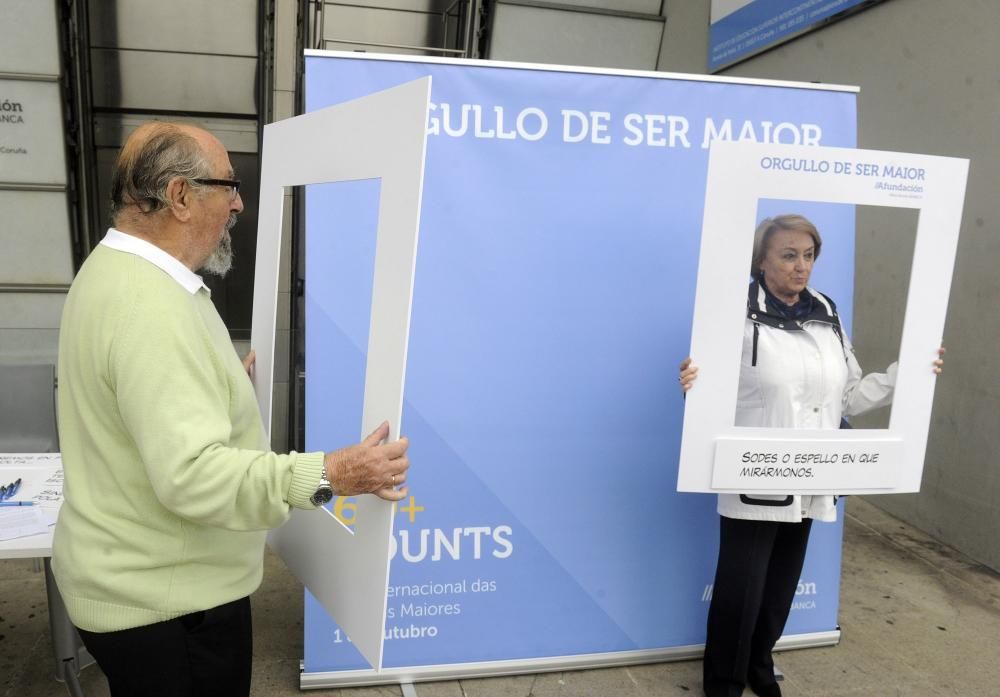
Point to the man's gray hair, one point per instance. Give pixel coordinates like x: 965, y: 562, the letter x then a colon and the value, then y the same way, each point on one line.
x: 155, y: 154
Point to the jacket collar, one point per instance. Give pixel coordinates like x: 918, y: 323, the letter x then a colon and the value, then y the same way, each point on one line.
x: 824, y: 310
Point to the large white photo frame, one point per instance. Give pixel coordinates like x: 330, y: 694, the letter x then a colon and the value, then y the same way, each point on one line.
x: 713, y: 450
x: 381, y: 136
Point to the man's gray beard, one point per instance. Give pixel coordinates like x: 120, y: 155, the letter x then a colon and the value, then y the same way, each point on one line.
x: 221, y: 259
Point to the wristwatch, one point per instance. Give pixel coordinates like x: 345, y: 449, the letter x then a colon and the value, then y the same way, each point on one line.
x: 324, y: 492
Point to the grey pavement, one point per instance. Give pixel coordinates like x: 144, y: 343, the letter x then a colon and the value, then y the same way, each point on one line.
x: 917, y: 618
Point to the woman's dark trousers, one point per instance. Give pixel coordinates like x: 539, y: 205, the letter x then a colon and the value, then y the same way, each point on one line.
x: 755, y: 581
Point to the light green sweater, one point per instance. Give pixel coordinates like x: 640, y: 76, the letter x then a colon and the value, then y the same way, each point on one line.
x: 169, y: 482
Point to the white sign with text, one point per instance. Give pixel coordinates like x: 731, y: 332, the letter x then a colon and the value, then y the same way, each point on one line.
x: 818, y: 463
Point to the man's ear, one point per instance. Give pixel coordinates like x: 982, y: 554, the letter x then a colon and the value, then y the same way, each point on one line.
x: 180, y: 196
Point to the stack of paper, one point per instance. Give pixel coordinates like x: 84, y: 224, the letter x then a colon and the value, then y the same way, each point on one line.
x: 40, y: 489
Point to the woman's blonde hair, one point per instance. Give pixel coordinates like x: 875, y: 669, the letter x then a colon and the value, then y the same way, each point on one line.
x: 768, y: 226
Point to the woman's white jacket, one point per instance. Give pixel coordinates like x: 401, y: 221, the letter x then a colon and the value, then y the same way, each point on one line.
x: 798, y: 374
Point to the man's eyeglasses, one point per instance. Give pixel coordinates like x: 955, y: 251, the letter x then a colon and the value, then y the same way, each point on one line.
x: 233, y: 184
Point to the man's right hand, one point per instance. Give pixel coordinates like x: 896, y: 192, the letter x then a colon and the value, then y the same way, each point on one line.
x: 370, y: 467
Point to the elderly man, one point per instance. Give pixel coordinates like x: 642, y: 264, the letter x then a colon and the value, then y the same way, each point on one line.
x: 170, y: 485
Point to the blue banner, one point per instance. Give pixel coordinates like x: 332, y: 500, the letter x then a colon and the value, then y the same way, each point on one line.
x: 761, y: 24
x: 555, y: 280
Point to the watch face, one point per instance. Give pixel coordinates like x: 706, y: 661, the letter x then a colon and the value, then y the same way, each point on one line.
x: 322, y: 496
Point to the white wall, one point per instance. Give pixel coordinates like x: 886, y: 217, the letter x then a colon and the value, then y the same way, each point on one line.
x: 35, y: 250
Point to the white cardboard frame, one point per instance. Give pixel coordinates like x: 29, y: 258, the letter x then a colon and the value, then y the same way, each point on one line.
x: 380, y: 136
x: 740, y: 174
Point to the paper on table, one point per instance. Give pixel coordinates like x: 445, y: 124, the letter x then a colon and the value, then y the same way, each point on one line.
x: 21, y: 522
x: 40, y: 474
x: 30, y: 459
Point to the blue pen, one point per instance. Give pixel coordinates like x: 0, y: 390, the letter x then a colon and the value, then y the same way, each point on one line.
x: 8, y: 491
x: 5, y: 504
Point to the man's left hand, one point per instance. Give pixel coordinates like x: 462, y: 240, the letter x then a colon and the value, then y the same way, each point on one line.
x: 248, y: 363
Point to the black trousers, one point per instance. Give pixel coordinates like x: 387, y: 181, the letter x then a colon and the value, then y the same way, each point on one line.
x: 203, y: 654
x: 755, y: 581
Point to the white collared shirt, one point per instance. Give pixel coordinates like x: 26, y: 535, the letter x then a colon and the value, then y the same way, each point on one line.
x: 124, y: 242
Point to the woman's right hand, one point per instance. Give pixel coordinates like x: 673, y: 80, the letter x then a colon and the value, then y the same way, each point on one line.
x: 688, y: 373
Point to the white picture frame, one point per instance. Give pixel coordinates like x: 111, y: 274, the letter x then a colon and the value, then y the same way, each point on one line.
x: 740, y: 174
x: 380, y: 136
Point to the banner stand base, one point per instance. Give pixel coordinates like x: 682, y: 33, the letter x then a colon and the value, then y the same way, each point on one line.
x: 407, y: 676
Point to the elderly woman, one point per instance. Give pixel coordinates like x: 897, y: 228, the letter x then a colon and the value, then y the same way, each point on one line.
x: 798, y: 371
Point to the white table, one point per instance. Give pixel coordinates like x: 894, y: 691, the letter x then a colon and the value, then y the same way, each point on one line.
x: 68, y: 651
x: 34, y: 547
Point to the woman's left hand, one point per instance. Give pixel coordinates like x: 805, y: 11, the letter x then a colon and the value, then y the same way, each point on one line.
x: 939, y: 363
x: 688, y: 373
